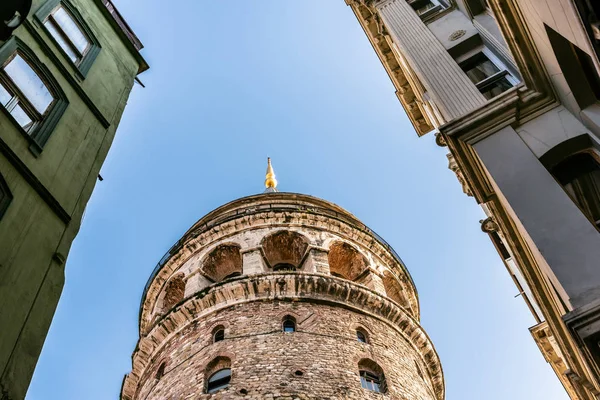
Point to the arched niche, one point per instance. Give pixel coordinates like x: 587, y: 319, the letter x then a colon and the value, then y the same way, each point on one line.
x: 225, y: 261
x: 284, y: 248
x: 393, y: 288
x: 345, y: 261
x: 174, y: 292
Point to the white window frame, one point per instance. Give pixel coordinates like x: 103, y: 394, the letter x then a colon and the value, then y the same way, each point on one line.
x: 503, y: 72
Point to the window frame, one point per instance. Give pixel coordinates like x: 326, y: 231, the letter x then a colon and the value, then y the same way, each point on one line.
x: 221, y: 386
x: 83, y: 66
x: 5, y: 196
x: 438, y: 6
x: 39, y: 134
x: 503, y: 71
x: 370, y: 378
x: 289, y: 319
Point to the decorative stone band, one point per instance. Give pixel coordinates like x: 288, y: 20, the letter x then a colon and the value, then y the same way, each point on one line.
x: 271, y: 210
x: 292, y: 286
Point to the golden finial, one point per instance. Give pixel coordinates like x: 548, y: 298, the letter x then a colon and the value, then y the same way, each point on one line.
x: 270, y: 181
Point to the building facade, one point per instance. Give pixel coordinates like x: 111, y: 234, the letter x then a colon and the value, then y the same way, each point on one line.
x: 65, y: 75
x: 282, y: 296
x: 512, y: 88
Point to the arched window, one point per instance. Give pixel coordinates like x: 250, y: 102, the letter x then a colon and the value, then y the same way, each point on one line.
x: 284, y: 250
x: 5, y: 196
x: 225, y: 261
x: 29, y: 93
x: 362, y: 336
x: 579, y: 175
x: 174, y: 292
x: 284, y: 267
x: 371, y: 376
x: 289, y: 324
x: 345, y: 261
x: 219, y: 380
x: 160, y: 372
x: 218, y: 334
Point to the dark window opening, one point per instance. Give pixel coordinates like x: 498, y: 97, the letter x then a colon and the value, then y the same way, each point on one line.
x: 361, y: 336
x: 284, y: 267
x: 289, y: 324
x: 219, y: 380
x: 579, y: 175
x: 219, y: 335
x: 161, y: 371
x: 426, y: 8
x: 487, y: 76
x: 370, y: 381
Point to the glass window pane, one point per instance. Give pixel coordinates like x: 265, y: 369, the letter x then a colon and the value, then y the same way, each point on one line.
x: 29, y: 83
x: 22, y: 118
x: 482, y: 70
x: 49, y: 24
x: 71, y: 29
x: 428, y: 6
x: 498, y: 87
x: 5, y: 96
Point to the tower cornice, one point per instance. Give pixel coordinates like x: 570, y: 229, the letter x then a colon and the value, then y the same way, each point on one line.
x: 270, y: 210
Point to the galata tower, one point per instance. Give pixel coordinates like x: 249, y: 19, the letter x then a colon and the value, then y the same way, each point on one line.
x: 282, y: 296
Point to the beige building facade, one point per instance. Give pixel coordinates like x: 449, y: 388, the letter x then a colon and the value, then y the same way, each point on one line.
x: 282, y: 296
x: 512, y: 88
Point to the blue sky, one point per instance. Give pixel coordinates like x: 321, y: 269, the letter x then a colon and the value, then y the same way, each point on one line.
x: 230, y: 84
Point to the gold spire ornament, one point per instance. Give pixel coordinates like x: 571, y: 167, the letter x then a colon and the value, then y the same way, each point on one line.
x: 270, y: 181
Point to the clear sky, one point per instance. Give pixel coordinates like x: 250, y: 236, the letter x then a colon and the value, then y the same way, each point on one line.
x: 232, y: 82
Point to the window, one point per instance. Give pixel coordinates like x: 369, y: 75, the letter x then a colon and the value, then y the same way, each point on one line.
x: 371, y: 376
x: 23, y: 93
x: 5, y: 196
x: 69, y: 31
x: 219, y: 334
x: 29, y: 93
x: 67, y: 34
x: 219, y: 380
x: 579, y: 175
x: 361, y: 336
x: 284, y: 267
x: 426, y: 8
x: 161, y: 371
x: 490, y: 77
x: 370, y: 381
x: 289, y: 324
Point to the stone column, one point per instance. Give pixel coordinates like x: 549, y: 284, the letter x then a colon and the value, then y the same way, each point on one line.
x: 448, y: 86
x: 372, y: 280
x: 317, y: 261
x: 252, y: 262
x: 564, y: 236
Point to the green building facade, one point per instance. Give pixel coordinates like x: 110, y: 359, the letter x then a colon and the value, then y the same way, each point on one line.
x: 65, y: 76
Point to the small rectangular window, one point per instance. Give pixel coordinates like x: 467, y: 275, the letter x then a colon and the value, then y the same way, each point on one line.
x: 68, y: 34
x: 490, y: 78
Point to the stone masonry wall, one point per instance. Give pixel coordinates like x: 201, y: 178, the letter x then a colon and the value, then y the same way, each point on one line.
x: 264, y: 360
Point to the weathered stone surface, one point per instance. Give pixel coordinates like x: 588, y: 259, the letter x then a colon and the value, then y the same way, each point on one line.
x: 345, y: 279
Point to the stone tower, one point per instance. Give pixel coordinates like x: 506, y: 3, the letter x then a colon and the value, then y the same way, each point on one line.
x: 282, y: 296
